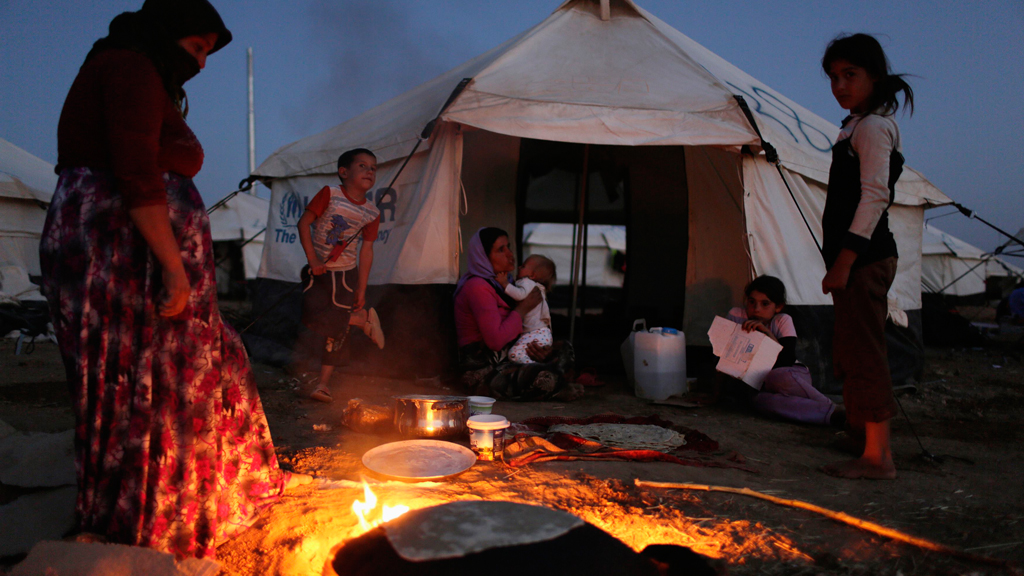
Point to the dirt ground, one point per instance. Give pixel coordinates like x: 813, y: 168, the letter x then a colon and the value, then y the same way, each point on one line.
x: 968, y: 409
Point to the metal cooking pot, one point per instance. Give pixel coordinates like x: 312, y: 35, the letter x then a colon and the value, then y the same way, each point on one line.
x: 424, y: 416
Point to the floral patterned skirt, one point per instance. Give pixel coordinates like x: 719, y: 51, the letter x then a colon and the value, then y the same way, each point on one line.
x: 172, y: 446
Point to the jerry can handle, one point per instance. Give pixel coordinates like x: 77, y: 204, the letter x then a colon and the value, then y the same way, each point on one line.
x: 642, y: 322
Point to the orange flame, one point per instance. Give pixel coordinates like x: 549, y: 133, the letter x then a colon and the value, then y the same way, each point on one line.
x: 363, y: 510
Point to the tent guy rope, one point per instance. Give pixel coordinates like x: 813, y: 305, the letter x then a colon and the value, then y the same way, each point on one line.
x: 243, y: 186
x: 974, y: 216
x: 772, y: 156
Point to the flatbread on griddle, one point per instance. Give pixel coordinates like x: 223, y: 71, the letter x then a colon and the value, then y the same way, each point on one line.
x: 626, y: 436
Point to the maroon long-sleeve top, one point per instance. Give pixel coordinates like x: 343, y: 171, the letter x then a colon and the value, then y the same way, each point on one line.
x: 118, y: 117
x: 482, y: 315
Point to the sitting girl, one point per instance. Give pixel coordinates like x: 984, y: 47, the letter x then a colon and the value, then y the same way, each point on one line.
x: 787, y: 390
x: 536, y: 272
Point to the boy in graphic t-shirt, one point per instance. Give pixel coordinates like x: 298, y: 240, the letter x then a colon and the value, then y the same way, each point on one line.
x: 334, y: 291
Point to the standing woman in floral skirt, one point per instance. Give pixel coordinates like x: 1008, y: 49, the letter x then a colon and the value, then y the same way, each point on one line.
x: 172, y: 447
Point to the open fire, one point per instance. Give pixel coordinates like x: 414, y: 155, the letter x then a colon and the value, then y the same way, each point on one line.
x: 365, y: 510
x: 308, y: 531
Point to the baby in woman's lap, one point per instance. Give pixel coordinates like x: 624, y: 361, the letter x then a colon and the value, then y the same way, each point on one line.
x: 536, y: 272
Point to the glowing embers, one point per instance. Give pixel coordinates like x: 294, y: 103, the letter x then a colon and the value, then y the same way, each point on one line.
x: 364, y: 510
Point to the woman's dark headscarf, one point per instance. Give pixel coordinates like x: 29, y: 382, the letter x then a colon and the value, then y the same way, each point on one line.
x: 155, y: 30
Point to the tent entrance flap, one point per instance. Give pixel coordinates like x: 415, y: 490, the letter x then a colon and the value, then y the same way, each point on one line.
x: 635, y: 210
x: 572, y: 206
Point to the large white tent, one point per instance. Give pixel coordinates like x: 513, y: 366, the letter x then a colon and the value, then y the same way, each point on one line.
x: 953, y: 267
x: 26, y: 186
x: 612, y: 75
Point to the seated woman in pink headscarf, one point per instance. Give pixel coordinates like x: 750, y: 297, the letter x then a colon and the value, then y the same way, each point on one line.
x: 487, y: 323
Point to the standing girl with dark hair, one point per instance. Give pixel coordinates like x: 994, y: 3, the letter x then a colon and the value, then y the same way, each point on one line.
x: 858, y: 248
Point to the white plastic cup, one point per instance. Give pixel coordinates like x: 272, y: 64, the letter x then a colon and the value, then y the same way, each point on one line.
x: 487, y: 435
x: 480, y: 405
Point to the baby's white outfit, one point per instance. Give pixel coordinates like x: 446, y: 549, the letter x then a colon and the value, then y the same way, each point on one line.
x: 536, y: 324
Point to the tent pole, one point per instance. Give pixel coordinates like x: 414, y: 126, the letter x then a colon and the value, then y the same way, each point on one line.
x: 577, y: 246
x: 252, y: 119
x: 582, y: 302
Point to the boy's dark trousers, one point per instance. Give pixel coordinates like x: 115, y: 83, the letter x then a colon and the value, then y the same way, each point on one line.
x: 326, y: 309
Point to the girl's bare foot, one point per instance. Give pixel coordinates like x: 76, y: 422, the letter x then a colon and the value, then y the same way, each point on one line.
x: 295, y: 480
x: 861, y: 468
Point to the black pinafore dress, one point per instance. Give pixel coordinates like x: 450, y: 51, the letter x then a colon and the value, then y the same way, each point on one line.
x: 844, y: 193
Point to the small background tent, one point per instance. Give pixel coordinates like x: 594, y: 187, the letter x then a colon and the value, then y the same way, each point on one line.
x: 601, y: 106
x: 959, y: 282
x: 238, y: 229
x: 26, y: 186
x: 952, y: 267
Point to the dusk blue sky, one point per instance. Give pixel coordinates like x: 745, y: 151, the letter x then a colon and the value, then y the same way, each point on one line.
x: 320, y: 62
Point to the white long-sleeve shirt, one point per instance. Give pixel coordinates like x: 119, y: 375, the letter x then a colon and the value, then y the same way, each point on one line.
x: 540, y: 316
x: 874, y: 138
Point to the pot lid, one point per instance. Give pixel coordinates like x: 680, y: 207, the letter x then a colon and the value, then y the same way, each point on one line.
x: 431, y: 398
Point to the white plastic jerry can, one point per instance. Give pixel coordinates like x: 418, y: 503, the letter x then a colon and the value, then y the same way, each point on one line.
x: 658, y: 362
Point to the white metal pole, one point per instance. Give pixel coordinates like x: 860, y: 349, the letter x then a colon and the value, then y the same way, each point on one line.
x: 252, y: 121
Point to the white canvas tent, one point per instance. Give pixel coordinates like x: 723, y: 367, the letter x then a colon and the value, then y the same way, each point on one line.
x: 953, y: 267
x: 26, y: 186
x: 628, y: 80
x: 242, y: 219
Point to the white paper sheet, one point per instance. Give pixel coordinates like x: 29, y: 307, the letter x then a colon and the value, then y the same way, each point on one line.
x: 748, y: 356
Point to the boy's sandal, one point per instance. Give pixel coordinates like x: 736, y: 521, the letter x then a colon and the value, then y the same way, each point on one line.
x: 375, y: 332
x: 321, y: 395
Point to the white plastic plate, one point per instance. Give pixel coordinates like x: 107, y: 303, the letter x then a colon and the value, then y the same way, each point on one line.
x: 419, y: 459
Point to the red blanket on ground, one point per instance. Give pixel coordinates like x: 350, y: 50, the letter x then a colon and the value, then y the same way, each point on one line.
x: 536, y: 446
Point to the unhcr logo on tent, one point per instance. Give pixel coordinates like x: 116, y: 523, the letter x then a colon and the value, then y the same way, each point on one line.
x: 386, y: 200
x: 289, y: 212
